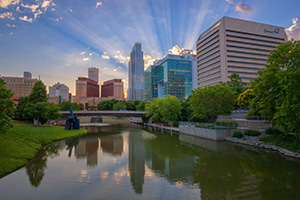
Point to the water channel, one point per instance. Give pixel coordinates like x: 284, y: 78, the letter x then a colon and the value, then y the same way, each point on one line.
x: 131, y: 162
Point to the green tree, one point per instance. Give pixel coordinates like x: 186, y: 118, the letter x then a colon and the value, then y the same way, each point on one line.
x: 65, y: 106
x: 6, y: 107
x: 141, y: 106
x: 119, y: 106
x: 107, y: 104
x: 53, y: 112
x: 38, y: 93
x: 211, y: 101
x: 38, y: 107
x: 130, y: 105
x: 277, y: 89
x: 245, y: 98
x: 236, y: 84
x: 166, y: 109
x: 19, y: 114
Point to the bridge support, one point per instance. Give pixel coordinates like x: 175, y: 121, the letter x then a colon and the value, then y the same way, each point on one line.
x: 96, y: 119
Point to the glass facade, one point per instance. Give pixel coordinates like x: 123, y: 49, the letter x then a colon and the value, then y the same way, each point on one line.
x: 170, y: 76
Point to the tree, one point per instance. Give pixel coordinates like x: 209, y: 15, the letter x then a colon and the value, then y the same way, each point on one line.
x: 19, y: 114
x: 119, y: 106
x: 277, y: 89
x: 107, y: 104
x: 141, y: 106
x: 245, y: 98
x: 130, y: 105
x: 65, y: 106
x: 6, y: 107
x: 38, y: 107
x: 206, y: 103
x: 166, y: 109
x: 236, y: 84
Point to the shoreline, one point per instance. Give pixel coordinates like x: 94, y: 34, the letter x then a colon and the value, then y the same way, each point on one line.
x: 21, y: 143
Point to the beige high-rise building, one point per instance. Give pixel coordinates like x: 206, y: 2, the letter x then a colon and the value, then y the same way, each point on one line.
x: 20, y: 86
x: 235, y: 46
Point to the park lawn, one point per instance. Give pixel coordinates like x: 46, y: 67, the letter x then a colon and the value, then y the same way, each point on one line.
x: 20, y: 143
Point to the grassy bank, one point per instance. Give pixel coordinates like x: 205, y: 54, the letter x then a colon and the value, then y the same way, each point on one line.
x: 289, y: 142
x: 23, y: 141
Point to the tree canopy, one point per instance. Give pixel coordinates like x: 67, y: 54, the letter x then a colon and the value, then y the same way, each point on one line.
x: 166, y: 109
x: 65, y: 106
x: 206, y: 103
x: 236, y: 84
x: 6, y: 107
x: 277, y: 93
x: 38, y: 107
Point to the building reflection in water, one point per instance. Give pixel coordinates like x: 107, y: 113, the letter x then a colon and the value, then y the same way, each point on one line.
x: 88, y: 147
x: 136, y: 161
x: 112, y: 144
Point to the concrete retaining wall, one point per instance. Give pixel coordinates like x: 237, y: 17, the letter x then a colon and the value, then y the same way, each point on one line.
x: 206, y: 133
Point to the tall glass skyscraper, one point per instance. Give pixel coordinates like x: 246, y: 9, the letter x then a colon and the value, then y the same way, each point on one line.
x: 136, y: 73
x: 171, y: 75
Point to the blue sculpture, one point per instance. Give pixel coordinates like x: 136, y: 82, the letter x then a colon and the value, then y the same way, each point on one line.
x: 72, y: 121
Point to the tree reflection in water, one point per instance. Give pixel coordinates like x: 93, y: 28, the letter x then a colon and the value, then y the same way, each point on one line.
x: 35, y: 167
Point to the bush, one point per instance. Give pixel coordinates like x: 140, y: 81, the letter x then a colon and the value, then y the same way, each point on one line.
x: 238, y: 134
x: 272, y: 131
x: 252, y: 132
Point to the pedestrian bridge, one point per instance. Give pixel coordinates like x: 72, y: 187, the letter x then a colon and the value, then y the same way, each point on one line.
x: 105, y: 113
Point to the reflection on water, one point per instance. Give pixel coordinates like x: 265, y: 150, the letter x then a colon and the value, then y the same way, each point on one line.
x: 130, y: 163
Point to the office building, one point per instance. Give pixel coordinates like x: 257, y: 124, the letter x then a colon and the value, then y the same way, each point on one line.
x: 136, y: 73
x: 27, y: 75
x: 113, y: 89
x: 20, y: 86
x: 235, y: 46
x: 171, y: 75
x: 94, y: 74
x: 59, y: 90
x: 86, y: 87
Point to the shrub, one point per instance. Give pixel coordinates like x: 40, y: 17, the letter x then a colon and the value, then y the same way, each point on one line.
x: 252, y: 132
x: 272, y: 131
x: 238, y: 134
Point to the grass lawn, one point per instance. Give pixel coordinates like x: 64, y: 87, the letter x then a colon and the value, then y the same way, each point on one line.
x: 289, y: 142
x: 20, y: 143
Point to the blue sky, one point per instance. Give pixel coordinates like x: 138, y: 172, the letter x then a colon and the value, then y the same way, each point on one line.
x: 60, y: 39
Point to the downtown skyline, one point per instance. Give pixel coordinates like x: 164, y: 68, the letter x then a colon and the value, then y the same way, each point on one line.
x: 60, y: 40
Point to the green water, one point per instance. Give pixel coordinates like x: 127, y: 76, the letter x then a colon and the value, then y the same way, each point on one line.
x: 129, y: 162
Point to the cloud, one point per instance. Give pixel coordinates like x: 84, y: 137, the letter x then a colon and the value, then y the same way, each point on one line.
x: 98, y: 4
x: 293, y: 32
x: 148, y: 61
x: 7, y: 15
x: 46, y: 4
x: 11, y: 33
x: 175, y: 50
x: 25, y: 18
x: 241, y: 6
x: 39, y: 12
x: 6, y: 3
x: 32, y: 7
x: 104, y: 56
x: 85, y: 59
x: 12, y: 25
x: 82, y: 53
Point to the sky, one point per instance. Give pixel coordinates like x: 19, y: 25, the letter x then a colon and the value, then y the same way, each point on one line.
x: 58, y: 40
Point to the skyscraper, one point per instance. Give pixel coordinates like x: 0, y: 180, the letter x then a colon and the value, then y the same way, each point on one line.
x: 172, y: 75
x: 235, y: 46
x: 94, y: 74
x: 136, y: 73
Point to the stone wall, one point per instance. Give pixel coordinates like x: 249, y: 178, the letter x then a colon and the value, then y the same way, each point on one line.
x: 211, y: 134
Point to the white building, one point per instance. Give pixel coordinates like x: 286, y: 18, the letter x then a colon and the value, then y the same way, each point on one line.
x: 235, y: 46
x: 59, y: 90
